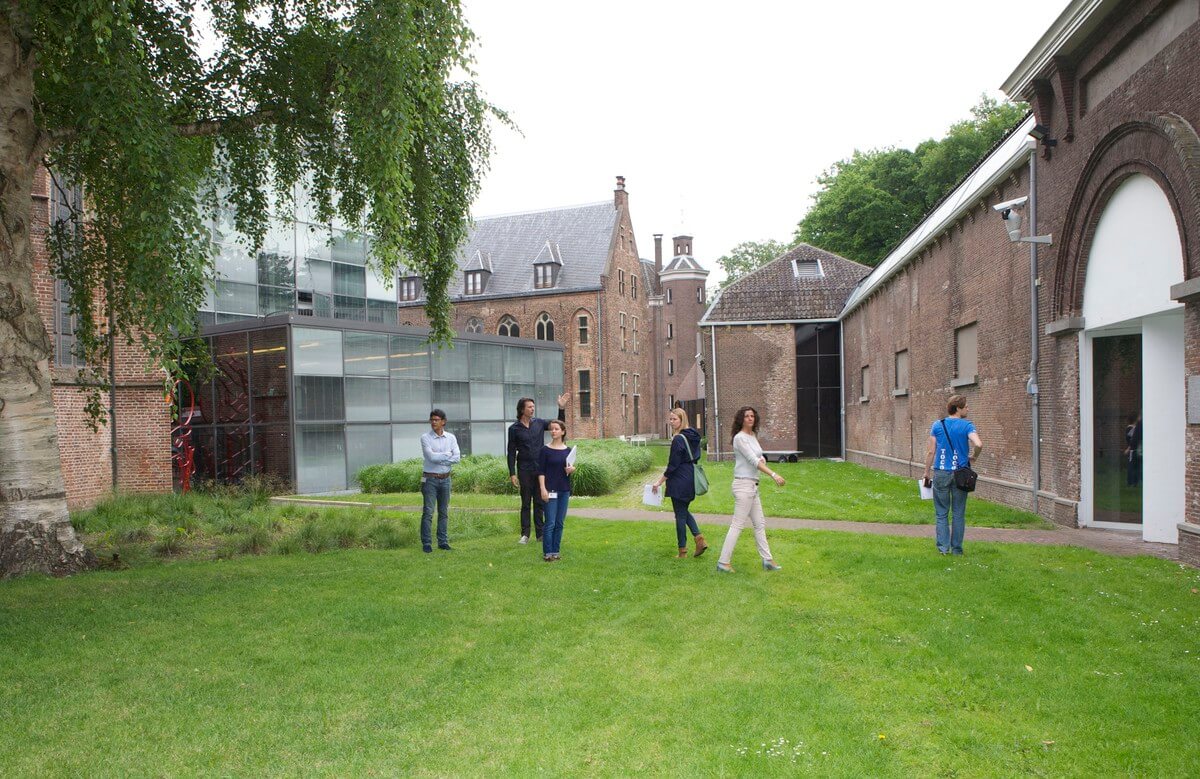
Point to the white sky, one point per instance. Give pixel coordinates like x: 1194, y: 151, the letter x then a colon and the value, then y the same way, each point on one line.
x: 722, y: 115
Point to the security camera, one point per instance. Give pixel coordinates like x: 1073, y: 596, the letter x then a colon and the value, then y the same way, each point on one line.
x: 1012, y: 220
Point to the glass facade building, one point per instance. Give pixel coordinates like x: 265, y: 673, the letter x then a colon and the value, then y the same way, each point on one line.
x: 311, y: 400
x: 301, y: 265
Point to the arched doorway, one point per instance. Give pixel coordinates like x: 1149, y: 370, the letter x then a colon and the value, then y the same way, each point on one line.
x: 1132, y: 408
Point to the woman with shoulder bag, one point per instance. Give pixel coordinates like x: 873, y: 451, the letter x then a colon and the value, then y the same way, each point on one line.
x: 748, y: 463
x: 680, y: 478
x: 949, y: 450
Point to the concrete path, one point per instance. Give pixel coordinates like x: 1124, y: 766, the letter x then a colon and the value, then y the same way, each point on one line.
x: 1115, y: 542
x: 1126, y: 543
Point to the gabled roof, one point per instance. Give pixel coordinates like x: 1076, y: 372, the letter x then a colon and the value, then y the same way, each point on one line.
x: 577, y: 237
x: 649, y: 282
x: 775, y: 293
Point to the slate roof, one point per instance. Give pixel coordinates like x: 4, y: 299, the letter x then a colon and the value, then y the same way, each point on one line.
x: 578, y: 237
x: 774, y: 293
x: 684, y: 262
x: 649, y: 277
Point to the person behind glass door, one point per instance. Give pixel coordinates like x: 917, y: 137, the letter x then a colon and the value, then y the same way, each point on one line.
x: 748, y: 463
x: 554, y: 485
x: 950, y: 441
x: 525, y: 439
x: 680, y: 478
x: 439, y: 450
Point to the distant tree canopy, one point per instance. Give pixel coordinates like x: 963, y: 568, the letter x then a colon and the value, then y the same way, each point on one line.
x: 747, y: 256
x: 867, y: 203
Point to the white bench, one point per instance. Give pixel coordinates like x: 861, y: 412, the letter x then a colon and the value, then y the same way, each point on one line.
x: 639, y: 440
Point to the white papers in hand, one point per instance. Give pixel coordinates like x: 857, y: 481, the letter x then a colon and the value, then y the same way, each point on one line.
x: 650, y: 497
x: 926, y: 492
x: 571, y: 455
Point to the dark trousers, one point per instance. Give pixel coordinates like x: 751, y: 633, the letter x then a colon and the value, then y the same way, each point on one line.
x: 684, y: 521
x: 531, y: 497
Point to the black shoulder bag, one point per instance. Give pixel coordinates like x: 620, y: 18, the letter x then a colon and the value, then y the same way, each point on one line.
x: 964, y: 476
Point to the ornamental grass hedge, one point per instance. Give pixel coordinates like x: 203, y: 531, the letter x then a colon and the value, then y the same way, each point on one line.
x: 601, y: 465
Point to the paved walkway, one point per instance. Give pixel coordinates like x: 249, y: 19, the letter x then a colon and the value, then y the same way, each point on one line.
x: 1126, y: 543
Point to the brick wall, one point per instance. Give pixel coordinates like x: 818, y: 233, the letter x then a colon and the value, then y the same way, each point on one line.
x: 143, y: 418
x: 683, y: 313
x: 755, y: 366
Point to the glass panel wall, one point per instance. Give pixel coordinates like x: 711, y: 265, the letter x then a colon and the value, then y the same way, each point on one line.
x: 818, y: 390
x: 355, y: 398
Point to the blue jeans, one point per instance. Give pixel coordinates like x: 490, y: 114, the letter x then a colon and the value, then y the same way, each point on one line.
x: 556, y: 514
x: 435, y: 490
x: 947, y: 496
x: 684, y: 521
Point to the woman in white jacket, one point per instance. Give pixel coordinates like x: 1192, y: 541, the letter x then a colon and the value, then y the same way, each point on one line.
x: 748, y: 463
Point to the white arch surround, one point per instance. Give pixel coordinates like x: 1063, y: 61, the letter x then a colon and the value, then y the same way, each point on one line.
x: 1135, y: 257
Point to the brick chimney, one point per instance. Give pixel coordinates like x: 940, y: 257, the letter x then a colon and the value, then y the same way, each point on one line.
x: 658, y: 252
x: 620, y: 196
x: 683, y: 245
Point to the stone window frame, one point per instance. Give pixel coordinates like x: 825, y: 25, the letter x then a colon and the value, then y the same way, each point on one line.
x: 620, y: 282
x: 900, y: 389
x: 624, y: 333
x: 966, y: 355
x: 583, y: 324
x: 543, y: 328
x: 584, y: 388
x: 475, y: 325
x: 864, y: 384
x: 508, y: 327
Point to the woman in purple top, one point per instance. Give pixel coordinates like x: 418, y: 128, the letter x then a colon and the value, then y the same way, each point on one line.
x: 950, y: 442
x: 554, y: 479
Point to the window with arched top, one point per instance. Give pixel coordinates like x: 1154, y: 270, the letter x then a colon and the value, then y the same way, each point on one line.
x: 543, y: 329
x: 509, y: 327
x: 474, y: 325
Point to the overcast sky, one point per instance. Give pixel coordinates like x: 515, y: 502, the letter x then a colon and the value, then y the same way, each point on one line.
x: 722, y: 115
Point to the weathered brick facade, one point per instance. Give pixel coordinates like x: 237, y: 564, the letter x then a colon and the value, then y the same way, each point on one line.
x: 143, y: 417
x: 755, y: 366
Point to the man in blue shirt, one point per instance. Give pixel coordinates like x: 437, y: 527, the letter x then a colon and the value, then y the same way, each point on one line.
x: 525, y: 439
x: 950, y: 442
x: 440, y: 451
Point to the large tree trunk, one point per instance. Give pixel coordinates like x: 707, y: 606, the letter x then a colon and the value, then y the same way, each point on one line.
x: 35, y: 529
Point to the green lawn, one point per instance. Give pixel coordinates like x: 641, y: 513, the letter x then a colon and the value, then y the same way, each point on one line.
x: 865, y: 656
x: 816, y: 489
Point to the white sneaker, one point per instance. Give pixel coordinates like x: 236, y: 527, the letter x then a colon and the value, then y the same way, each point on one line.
x: 524, y: 540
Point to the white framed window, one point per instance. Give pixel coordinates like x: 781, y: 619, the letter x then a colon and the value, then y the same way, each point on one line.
x: 633, y: 286
x: 668, y: 296
x: 509, y: 327
x: 635, y: 335
x: 670, y: 367
x: 670, y: 331
x: 474, y: 325
x: 700, y: 294
x: 623, y: 331
x: 583, y: 329
x: 636, y: 382
x: 620, y: 282
x: 543, y: 276
x: 410, y: 288
x: 865, y: 383
x: 474, y: 283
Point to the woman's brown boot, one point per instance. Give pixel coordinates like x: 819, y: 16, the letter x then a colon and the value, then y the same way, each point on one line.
x: 682, y: 551
x: 701, y: 545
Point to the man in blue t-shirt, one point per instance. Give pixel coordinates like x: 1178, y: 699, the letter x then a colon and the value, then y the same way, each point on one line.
x: 950, y: 442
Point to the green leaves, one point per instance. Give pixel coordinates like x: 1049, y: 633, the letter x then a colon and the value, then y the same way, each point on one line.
x: 162, y: 104
x: 869, y: 202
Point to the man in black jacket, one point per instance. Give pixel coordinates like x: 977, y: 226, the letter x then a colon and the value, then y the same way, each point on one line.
x: 525, y: 439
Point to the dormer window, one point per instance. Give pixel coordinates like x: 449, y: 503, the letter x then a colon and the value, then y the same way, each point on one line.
x: 476, y: 282
x: 410, y: 288
x: 546, y: 266
x: 807, y: 269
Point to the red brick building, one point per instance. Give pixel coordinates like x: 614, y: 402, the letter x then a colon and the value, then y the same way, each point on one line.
x: 1079, y: 358
x: 142, y: 417
x: 571, y: 275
